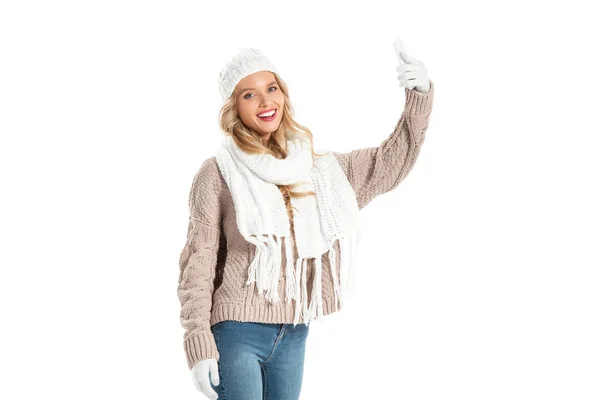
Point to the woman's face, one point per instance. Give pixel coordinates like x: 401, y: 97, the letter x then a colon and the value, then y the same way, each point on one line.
x: 256, y: 94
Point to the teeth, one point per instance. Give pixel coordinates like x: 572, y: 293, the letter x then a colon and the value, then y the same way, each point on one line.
x: 268, y: 114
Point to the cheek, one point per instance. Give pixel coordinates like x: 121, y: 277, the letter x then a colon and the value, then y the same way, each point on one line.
x: 246, y: 113
x: 281, y: 102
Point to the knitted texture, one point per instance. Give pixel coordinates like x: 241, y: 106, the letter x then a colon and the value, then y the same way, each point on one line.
x: 246, y: 62
x: 214, y: 261
x: 262, y: 218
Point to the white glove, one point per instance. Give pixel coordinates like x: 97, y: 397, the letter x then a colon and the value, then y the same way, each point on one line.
x: 413, y: 74
x: 200, y: 376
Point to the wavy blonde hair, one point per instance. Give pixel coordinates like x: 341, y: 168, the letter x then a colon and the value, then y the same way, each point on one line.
x: 250, y: 141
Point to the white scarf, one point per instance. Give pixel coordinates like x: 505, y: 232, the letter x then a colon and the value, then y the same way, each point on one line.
x: 260, y: 210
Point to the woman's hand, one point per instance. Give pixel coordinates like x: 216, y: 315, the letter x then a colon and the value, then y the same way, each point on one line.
x: 203, y: 373
x: 413, y: 74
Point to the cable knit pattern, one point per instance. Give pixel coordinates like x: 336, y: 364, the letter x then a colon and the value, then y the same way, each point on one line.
x: 214, y: 261
x: 377, y: 170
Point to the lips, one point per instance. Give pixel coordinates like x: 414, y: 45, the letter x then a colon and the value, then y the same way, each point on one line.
x: 268, y: 119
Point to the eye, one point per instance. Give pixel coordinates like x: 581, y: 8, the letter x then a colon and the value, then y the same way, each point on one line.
x: 247, y: 94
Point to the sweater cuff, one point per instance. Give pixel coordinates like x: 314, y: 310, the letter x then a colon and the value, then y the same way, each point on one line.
x: 417, y: 102
x: 200, y: 347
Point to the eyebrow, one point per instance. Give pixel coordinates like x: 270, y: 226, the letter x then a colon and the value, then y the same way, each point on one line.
x: 242, y: 91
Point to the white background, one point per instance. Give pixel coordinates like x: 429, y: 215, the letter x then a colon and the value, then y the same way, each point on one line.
x: 479, y: 275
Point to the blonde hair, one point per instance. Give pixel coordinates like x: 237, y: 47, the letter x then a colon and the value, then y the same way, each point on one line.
x: 250, y: 141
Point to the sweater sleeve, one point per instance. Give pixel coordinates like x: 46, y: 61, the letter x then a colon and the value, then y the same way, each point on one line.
x: 376, y: 170
x: 197, y: 264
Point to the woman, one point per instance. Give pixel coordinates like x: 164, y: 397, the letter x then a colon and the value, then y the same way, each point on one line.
x: 273, y: 228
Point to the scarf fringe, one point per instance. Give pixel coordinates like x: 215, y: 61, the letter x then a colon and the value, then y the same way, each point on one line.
x: 299, y: 264
x: 265, y: 268
x: 316, y: 302
x: 290, y: 276
x: 265, y: 271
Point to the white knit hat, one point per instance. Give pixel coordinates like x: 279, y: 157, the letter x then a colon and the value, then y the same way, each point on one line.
x: 246, y: 62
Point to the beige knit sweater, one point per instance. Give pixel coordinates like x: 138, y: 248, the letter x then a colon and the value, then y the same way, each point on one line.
x: 214, y: 261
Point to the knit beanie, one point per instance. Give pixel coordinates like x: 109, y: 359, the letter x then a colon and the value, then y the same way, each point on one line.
x: 246, y: 62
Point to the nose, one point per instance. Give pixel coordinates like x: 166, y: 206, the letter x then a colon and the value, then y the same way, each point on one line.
x: 265, y: 104
x: 264, y: 99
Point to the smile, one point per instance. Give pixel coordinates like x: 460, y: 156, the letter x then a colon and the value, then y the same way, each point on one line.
x: 268, y: 116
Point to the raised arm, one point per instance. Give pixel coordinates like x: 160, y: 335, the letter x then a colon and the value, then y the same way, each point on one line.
x: 376, y: 170
x: 197, y: 264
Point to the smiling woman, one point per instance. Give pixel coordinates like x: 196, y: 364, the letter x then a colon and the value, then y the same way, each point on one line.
x: 258, y: 97
x: 262, y: 261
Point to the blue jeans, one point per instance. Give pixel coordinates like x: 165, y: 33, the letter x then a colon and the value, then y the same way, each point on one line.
x: 259, y: 361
